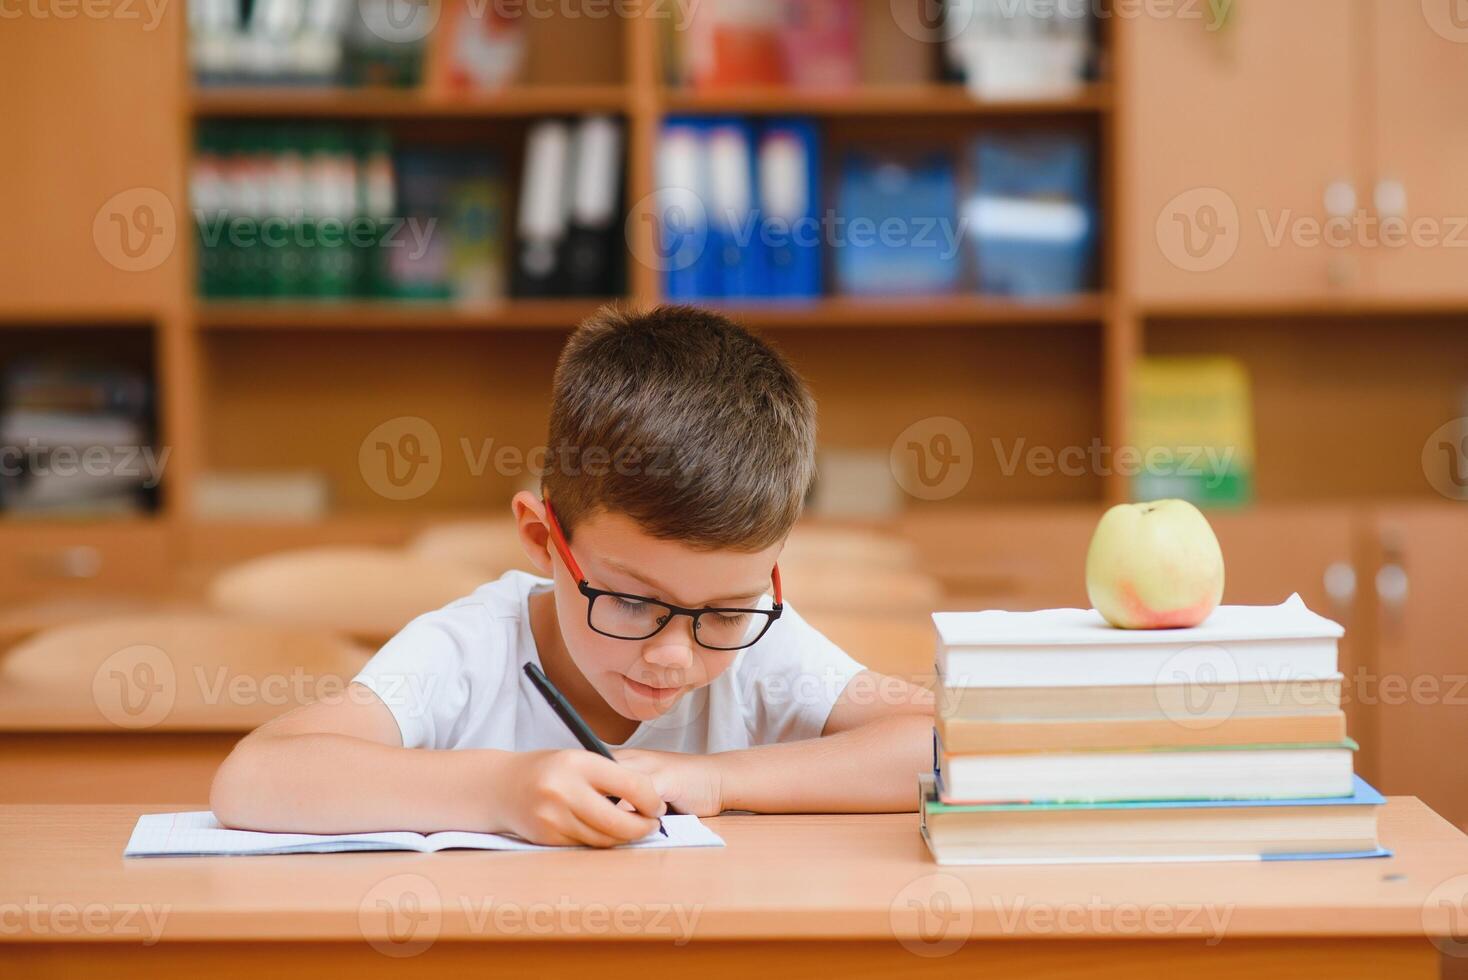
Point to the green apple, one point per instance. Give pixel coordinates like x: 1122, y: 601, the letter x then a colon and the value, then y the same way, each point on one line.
x: 1154, y: 566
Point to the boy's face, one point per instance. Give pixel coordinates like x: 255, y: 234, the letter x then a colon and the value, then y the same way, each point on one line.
x: 642, y: 679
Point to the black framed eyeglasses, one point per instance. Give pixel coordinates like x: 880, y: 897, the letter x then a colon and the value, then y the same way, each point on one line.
x: 626, y: 616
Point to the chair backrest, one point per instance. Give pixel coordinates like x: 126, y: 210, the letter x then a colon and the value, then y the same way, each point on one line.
x: 366, y: 593
x: 490, y: 546
x: 169, y: 672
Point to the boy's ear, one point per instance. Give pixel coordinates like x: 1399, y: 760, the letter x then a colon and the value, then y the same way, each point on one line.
x: 529, y: 513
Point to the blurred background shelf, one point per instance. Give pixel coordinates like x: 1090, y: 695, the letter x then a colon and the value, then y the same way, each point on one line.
x: 548, y: 314
x: 525, y: 100
x: 830, y: 313
x: 932, y: 99
x: 1311, y: 309
x: 908, y: 313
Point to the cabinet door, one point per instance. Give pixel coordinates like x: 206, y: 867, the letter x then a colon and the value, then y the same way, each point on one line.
x: 1420, y: 679
x: 95, y: 219
x: 1271, y: 552
x: 1419, y: 195
x: 1004, y: 557
x: 1231, y: 139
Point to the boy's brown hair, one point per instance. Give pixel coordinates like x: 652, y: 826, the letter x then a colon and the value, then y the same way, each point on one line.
x: 683, y: 421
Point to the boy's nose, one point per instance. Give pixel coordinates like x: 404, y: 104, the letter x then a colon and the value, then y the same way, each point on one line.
x: 671, y: 649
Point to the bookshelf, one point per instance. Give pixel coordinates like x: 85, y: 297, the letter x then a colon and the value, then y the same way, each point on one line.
x: 934, y: 99
x: 306, y: 315
x: 524, y: 100
x: 304, y: 372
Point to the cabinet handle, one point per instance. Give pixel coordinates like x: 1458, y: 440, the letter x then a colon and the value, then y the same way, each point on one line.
x: 1340, y: 199
x: 1390, y: 198
x: 1392, y: 588
x: 1340, y: 586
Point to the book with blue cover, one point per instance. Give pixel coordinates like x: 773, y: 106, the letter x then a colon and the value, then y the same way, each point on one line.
x: 1150, y: 831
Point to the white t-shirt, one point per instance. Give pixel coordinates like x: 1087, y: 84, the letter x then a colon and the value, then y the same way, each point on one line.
x: 454, y: 679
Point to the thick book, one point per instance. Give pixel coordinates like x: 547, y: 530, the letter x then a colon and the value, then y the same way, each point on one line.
x: 1219, y: 830
x: 1200, y: 702
x: 1215, y: 772
x: 1078, y: 648
x: 961, y: 735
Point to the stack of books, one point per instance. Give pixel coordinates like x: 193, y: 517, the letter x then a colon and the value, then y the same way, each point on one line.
x: 77, y: 440
x: 1060, y: 738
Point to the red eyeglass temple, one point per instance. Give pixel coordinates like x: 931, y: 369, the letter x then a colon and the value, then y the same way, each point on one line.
x: 559, y: 537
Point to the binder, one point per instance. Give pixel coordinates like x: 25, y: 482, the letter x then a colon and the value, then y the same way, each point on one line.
x: 682, y: 214
x: 540, y: 260
x: 789, y: 194
x: 736, y: 245
x: 593, y: 263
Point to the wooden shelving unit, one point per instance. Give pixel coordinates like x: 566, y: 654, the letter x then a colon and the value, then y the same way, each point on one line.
x: 829, y: 313
x: 882, y: 100
x: 283, y: 384
x: 915, y: 313
x: 291, y: 384
x: 383, y: 315
x: 284, y: 103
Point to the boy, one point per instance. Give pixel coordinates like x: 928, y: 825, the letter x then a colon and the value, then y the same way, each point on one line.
x: 681, y: 448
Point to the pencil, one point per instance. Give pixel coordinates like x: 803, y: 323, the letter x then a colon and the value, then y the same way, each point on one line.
x: 572, y: 720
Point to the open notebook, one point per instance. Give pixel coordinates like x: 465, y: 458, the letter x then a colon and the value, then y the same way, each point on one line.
x: 198, y: 833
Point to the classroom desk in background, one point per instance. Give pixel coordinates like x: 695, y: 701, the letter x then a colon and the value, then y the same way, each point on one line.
x: 143, y: 705
x: 850, y: 896
x: 68, y: 754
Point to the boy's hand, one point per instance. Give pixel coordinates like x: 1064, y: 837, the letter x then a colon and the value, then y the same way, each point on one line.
x: 692, y: 783
x: 560, y: 797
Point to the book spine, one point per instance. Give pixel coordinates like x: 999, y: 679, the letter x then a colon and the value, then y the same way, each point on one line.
x: 961, y: 736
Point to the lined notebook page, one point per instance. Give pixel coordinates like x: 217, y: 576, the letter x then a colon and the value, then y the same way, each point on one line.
x: 198, y: 833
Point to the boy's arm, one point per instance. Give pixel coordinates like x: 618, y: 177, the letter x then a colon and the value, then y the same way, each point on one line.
x: 878, y: 737
x: 338, y: 766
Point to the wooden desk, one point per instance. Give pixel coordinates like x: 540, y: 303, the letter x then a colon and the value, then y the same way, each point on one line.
x: 142, y: 708
x: 850, y: 896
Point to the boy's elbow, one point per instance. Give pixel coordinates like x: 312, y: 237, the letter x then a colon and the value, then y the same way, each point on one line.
x: 235, y: 786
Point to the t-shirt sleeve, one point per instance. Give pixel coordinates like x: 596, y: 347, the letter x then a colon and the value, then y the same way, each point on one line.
x: 791, y: 680
x: 427, y: 673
